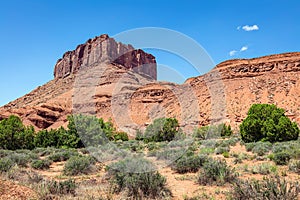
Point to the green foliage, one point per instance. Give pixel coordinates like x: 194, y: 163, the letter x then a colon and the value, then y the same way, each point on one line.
x: 226, y: 154
x: 264, y: 169
x: 212, y: 131
x: 268, y: 188
x: 162, y: 129
x: 20, y: 159
x: 120, y: 136
x: 138, y: 178
x: 53, y: 138
x: 62, y: 155
x: 291, y: 147
x: 221, y: 150
x: 216, y: 171
x: 93, y: 131
x: 41, y: 164
x: 190, y: 163
x: 266, y: 122
x: 294, y: 166
x: 261, y: 148
x: 6, y: 164
x: 61, y: 187
x: 14, y: 135
x: 281, y: 158
x: 78, y: 165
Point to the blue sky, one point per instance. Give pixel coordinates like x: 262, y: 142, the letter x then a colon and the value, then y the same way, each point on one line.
x: 35, y: 33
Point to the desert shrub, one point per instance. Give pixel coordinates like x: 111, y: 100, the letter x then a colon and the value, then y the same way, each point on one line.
x: 91, y: 131
x: 221, y: 150
x: 233, y: 141
x: 228, y: 142
x: 120, y: 136
x: 212, y: 143
x: 133, y: 145
x: 291, y: 147
x: 151, y: 146
x: 206, y: 151
x: 266, y: 189
x: 6, y: 164
x: 170, y: 154
x: 268, y: 123
x: 216, y: 171
x: 41, y: 151
x: 250, y: 146
x: 190, y: 163
x: 261, y: 148
x: 20, y: 159
x: 62, y: 155
x: 4, y: 153
x: 61, y: 187
x: 138, y: 178
x: 240, y: 157
x: 14, y: 135
x: 162, y: 129
x: 41, y: 164
x: 264, y: 169
x: 294, y: 166
x: 281, y: 158
x: 78, y: 165
x: 212, y: 131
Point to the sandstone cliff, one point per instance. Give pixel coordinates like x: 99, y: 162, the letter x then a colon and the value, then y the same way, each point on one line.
x: 104, y: 49
x: 109, y: 87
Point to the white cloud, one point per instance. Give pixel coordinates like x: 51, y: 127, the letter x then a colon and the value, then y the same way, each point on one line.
x: 238, y: 28
x: 232, y: 53
x: 250, y: 28
x: 244, y: 48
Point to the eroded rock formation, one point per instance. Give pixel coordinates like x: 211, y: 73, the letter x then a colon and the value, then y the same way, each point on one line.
x: 104, y: 49
x: 106, y: 85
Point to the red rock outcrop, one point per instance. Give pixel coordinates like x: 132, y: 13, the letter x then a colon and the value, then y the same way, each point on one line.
x: 104, y: 49
x: 109, y: 90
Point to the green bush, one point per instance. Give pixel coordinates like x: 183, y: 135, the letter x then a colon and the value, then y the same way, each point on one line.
x: 41, y: 164
x: 261, y: 148
x: 250, y: 146
x: 61, y: 187
x: 138, y: 178
x: 41, y: 151
x: 267, y: 123
x: 62, y: 155
x: 14, y: 135
x: 294, y: 166
x: 120, y: 136
x: 78, y: 165
x: 216, y: 171
x: 212, y: 131
x: 221, y: 150
x: 189, y: 163
x: 268, y: 188
x: 162, y: 129
x: 20, y: 159
x: 264, y: 169
x: 6, y: 164
x: 281, y: 158
x: 92, y: 130
x: 291, y: 147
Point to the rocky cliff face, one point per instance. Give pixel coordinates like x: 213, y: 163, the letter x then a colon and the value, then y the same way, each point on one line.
x: 108, y: 89
x: 104, y: 49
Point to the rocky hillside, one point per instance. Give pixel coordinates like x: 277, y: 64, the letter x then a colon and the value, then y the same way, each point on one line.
x: 113, y: 80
